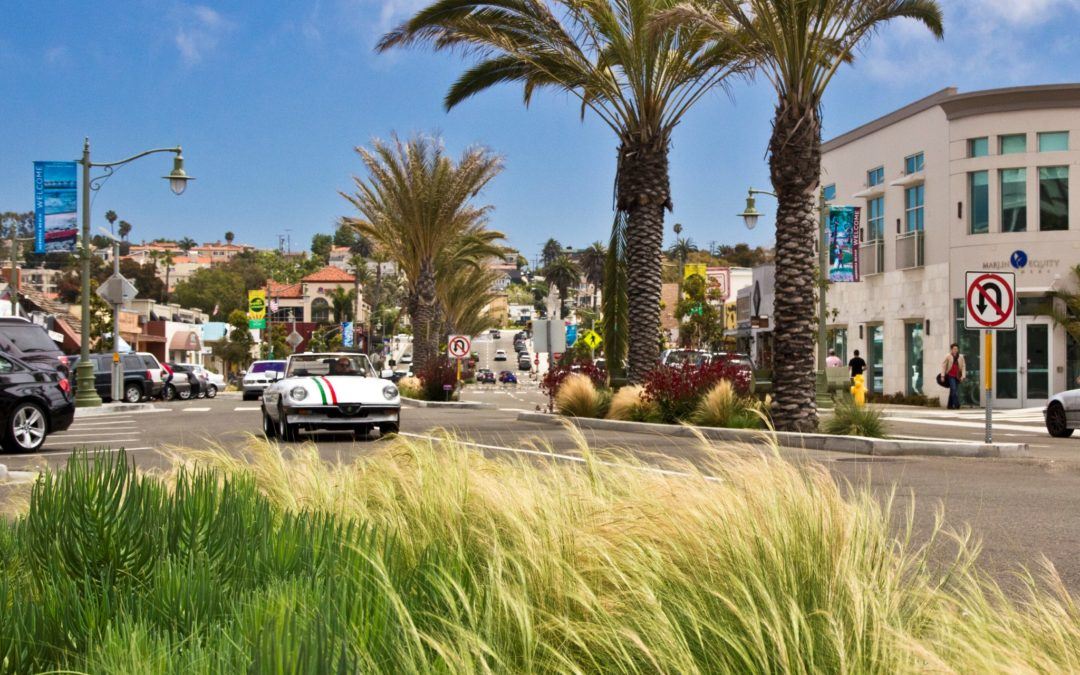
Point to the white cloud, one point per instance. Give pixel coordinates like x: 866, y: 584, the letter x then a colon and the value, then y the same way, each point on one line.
x: 198, y: 30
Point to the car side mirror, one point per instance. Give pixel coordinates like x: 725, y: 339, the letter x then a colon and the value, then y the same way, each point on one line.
x: 387, y: 374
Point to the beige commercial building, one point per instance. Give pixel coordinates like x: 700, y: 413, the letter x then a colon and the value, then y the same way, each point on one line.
x: 952, y: 183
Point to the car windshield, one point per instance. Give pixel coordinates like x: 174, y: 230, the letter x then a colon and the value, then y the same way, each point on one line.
x: 268, y: 366
x: 30, y: 338
x: 302, y: 365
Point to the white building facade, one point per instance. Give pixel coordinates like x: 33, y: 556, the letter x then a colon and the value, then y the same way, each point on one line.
x: 949, y: 184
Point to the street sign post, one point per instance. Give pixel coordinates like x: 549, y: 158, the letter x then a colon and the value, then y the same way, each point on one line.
x: 116, y: 290
x: 592, y: 339
x: 294, y: 339
x: 990, y: 306
x: 257, y: 310
x: 459, y: 346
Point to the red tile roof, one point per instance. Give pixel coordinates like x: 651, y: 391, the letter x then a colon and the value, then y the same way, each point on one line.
x: 276, y: 290
x: 330, y: 274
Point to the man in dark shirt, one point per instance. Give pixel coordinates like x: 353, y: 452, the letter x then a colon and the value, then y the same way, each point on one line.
x: 857, y: 365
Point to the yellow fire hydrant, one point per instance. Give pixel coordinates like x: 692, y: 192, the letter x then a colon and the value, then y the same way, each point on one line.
x: 858, y: 390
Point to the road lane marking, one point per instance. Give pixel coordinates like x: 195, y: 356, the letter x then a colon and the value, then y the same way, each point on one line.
x: 88, y: 423
x: 960, y: 424
x: 196, y: 409
x: 66, y: 434
x: 68, y: 452
x: 246, y: 408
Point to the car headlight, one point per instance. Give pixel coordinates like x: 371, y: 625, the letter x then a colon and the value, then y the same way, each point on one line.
x: 298, y: 393
x: 389, y: 392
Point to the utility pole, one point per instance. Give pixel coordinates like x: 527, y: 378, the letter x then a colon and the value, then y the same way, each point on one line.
x: 117, y: 369
x: 13, y: 282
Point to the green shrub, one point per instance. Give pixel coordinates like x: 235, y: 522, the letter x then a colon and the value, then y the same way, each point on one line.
x: 848, y: 419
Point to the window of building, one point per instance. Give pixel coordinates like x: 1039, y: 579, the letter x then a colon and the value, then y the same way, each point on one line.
x: 876, y: 209
x: 979, y: 202
x: 913, y: 347
x: 830, y: 192
x: 1012, y: 144
x: 978, y: 147
x: 913, y: 163
x: 838, y: 343
x: 320, y: 311
x: 1054, y: 198
x: 968, y: 341
x: 913, y: 205
x: 875, y: 176
x: 1054, y: 141
x: 1013, y: 200
x: 876, y: 359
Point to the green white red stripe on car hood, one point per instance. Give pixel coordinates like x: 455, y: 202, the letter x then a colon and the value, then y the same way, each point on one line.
x: 323, y: 386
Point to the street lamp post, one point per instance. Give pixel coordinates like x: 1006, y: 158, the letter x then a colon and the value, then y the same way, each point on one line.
x: 87, y: 395
x: 750, y: 217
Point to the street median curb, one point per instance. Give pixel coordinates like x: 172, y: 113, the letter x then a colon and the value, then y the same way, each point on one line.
x: 117, y: 408
x: 851, y: 444
x: 450, y: 405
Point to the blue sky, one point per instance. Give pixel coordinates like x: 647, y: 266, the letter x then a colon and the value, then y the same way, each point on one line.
x: 268, y: 100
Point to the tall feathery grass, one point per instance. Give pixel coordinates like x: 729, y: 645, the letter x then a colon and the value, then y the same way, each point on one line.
x: 629, y: 404
x: 848, y: 419
x: 579, y: 397
x: 411, y: 387
x: 723, y: 407
x: 428, y: 557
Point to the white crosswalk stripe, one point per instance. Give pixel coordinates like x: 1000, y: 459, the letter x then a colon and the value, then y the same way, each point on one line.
x: 246, y: 408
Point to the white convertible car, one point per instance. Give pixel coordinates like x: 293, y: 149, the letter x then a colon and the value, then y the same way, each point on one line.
x: 338, y: 391
x: 1062, y: 413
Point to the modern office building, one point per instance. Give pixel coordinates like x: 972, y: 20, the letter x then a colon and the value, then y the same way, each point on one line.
x: 951, y: 183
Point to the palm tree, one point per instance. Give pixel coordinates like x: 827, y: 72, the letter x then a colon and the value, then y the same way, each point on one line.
x: 186, y: 244
x: 111, y: 216
x: 167, y: 261
x: 344, y: 302
x: 229, y: 237
x: 361, y: 281
x: 639, y: 80
x: 414, y: 205
x: 799, y: 45
x: 124, y: 229
x: 564, y: 274
x: 551, y: 251
x: 593, y: 260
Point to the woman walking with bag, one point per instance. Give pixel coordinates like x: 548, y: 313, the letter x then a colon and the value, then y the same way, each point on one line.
x: 954, y: 371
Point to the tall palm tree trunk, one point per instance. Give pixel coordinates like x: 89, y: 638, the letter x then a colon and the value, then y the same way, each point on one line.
x: 643, y: 192
x: 422, y: 306
x: 795, y: 165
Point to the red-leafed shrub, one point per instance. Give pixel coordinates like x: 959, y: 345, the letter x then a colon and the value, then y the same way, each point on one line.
x: 554, y: 377
x: 436, y: 375
x: 677, y: 390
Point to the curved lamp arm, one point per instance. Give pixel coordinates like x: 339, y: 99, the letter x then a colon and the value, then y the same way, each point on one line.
x: 177, y: 150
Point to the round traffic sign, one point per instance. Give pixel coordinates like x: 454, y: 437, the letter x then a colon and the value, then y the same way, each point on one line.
x: 459, y: 346
x: 990, y: 300
x: 257, y: 305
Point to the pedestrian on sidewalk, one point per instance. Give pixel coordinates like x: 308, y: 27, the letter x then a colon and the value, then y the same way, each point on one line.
x: 833, y: 361
x: 856, y: 365
x: 955, y: 371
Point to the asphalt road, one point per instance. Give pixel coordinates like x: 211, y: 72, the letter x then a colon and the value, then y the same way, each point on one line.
x: 1020, y: 509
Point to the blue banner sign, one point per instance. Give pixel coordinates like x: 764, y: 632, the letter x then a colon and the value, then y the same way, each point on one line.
x: 56, y: 194
x: 571, y: 334
x: 347, y: 334
x: 843, y: 238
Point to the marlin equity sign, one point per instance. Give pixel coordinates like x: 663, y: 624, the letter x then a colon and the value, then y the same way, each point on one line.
x: 1021, y: 262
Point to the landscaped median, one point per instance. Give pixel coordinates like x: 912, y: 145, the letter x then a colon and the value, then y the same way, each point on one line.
x: 883, y: 447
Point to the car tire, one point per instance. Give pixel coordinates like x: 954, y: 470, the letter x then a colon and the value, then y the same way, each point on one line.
x: 132, y: 393
x: 1056, y: 421
x: 211, y: 391
x: 183, y: 394
x: 169, y: 393
x: 388, y: 428
x: 246, y: 396
x: 26, y: 428
x: 287, y: 432
x: 269, y: 426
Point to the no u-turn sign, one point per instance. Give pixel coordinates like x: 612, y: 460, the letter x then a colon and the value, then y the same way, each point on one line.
x: 990, y: 299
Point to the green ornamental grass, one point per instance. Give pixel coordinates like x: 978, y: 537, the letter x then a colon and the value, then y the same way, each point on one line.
x: 426, y: 556
x: 848, y: 419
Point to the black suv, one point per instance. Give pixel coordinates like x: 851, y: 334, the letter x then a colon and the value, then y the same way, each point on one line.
x: 34, y: 402
x: 31, y: 343
x: 138, y: 379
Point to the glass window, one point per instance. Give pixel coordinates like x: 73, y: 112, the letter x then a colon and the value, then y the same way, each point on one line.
x: 913, y: 346
x: 1013, y: 200
x: 875, y: 176
x: 1054, y: 198
x: 1072, y: 362
x: 877, y: 219
x: 838, y: 343
x: 979, y: 202
x: 1055, y: 141
x: 913, y: 198
x: 968, y: 341
x: 876, y: 349
x: 978, y: 147
x: 913, y: 163
x: 830, y: 192
x: 1005, y: 363
x: 1012, y: 144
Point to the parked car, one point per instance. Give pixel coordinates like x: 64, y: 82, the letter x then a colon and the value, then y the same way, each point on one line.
x: 496, y: 334
x: 525, y: 361
x: 34, y: 402
x: 405, y: 359
x: 198, y: 382
x: 485, y: 376
x: 506, y: 377
x: 1062, y: 413
x: 215, y: 379
x: 261, y: 375
x: 31, y: 343
x: 138, y: 383
x: 157, y: 373
x: 500, y: 355
x: 337, y: 390
x: 177, y: 385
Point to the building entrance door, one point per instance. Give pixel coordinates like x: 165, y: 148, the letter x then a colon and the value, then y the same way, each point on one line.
x: 1022, y: 364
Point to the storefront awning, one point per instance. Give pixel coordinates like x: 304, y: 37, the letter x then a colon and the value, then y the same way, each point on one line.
x: 185, y: 341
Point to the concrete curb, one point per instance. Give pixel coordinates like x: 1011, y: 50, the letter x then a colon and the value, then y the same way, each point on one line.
x: 851, y: 444
x: 450, y: 405
x: 117, y: 408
